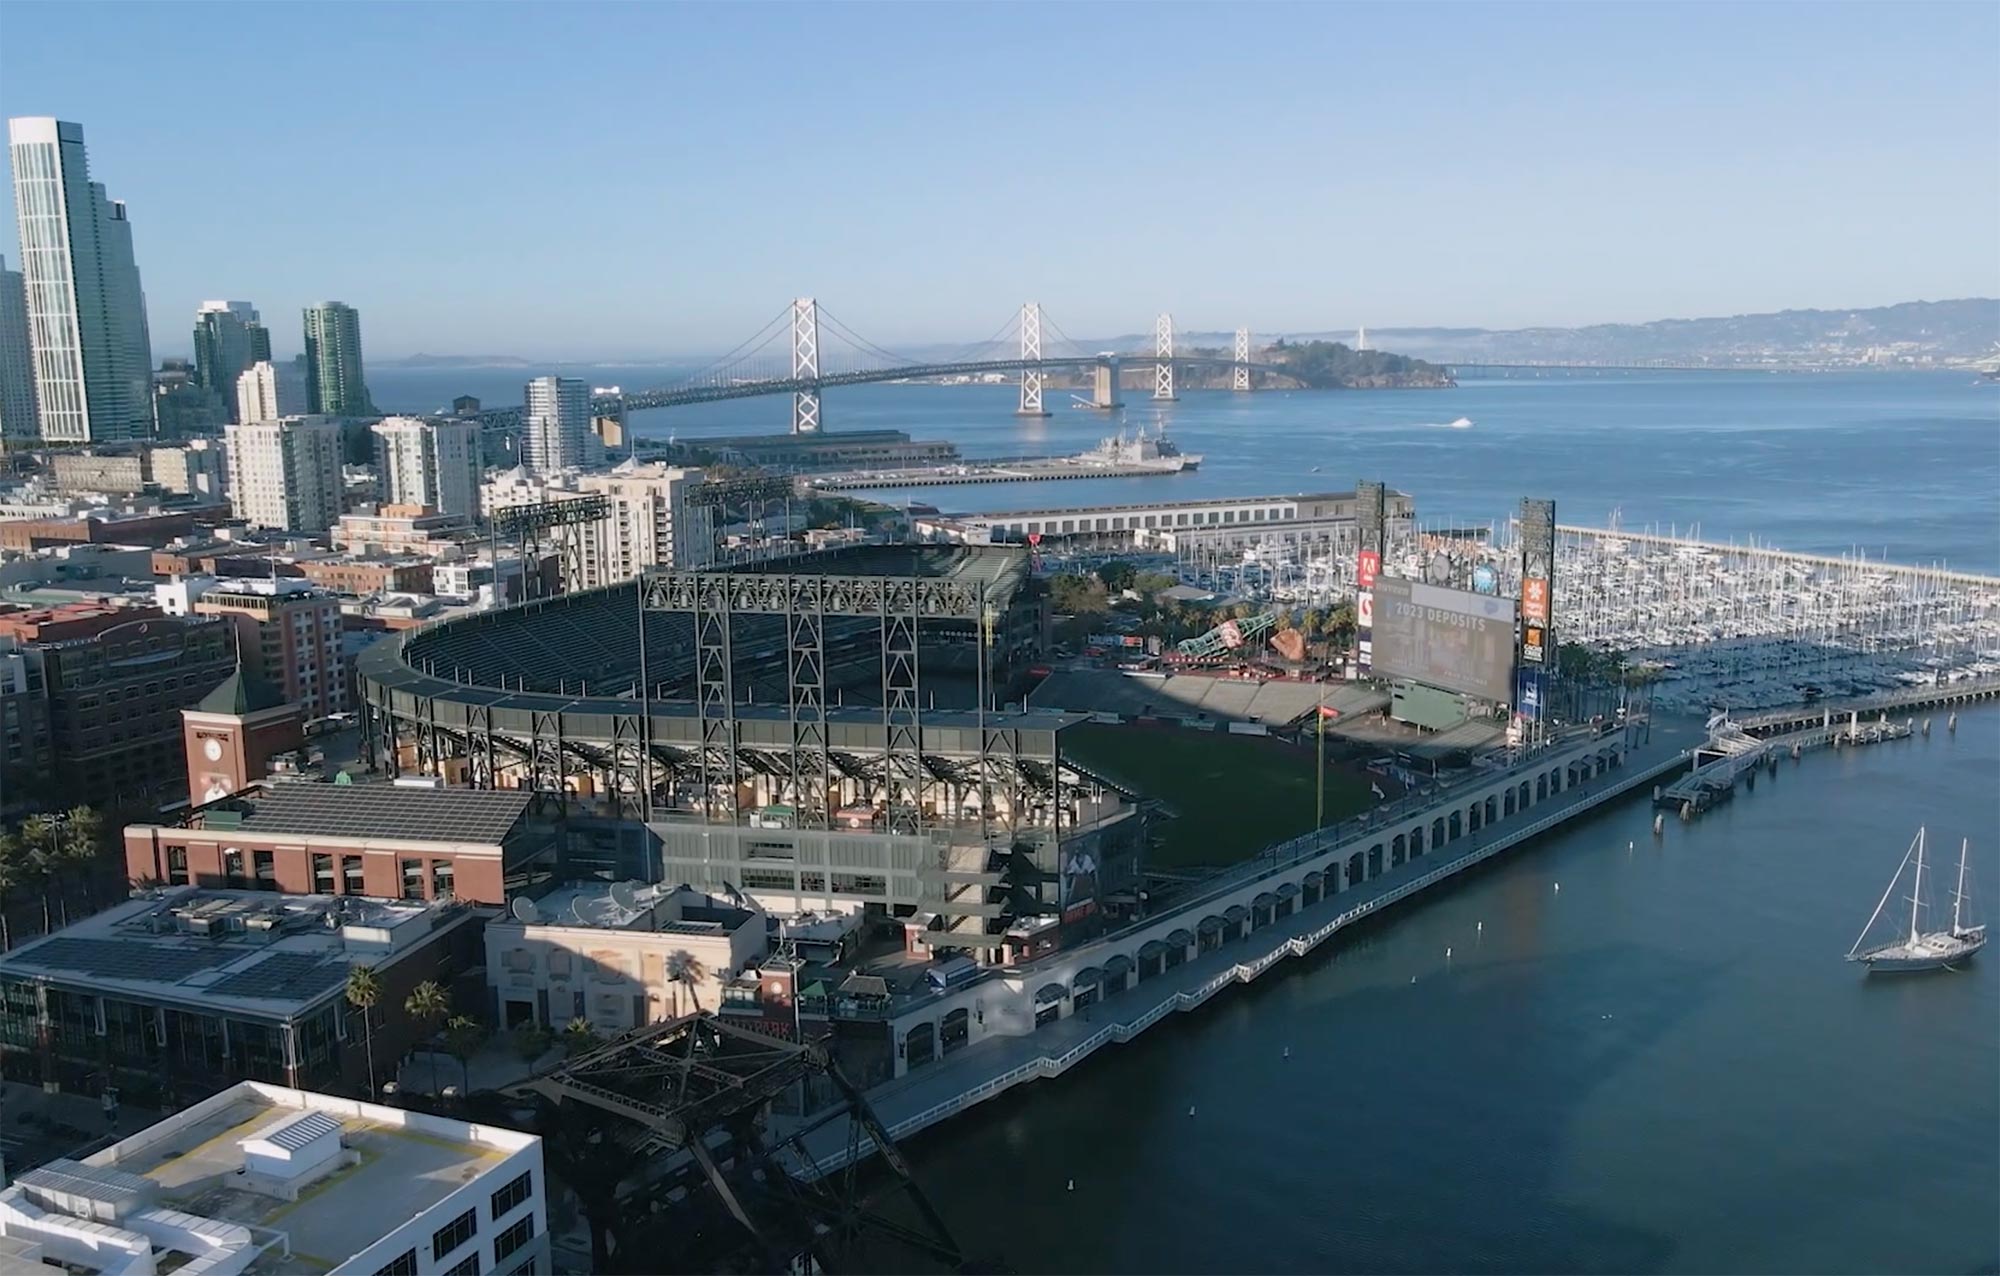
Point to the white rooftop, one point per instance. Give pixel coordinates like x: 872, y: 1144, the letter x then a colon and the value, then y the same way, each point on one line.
x: 185, y: 1196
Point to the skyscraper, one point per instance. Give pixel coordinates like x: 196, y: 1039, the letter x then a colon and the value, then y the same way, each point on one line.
x: 556, y: 424
x: 228, y: 338
x: 86, y: 311
x: 286, y: 473
x: 267, y: 391
x: 17, y: 363
x: 334, y: 381
x: 433, y: 463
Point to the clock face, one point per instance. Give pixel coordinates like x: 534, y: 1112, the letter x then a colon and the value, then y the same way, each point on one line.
x: 213, y: 750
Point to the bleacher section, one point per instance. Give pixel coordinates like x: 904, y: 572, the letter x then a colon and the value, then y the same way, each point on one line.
x: 1188, y: 696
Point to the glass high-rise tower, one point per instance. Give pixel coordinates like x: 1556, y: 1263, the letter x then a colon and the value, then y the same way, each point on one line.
x: 334, y: 380
x: 229, y: 339
x: 87, y: 330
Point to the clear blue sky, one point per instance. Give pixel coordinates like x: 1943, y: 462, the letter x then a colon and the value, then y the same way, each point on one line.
x: 629, y: 180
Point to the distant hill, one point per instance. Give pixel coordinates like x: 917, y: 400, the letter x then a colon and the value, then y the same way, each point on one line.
x: 456, y: 361
x: 1913, y: 331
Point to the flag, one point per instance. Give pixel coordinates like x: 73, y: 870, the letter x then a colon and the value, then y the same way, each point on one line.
x: 1376, y: 789
x: 1328, y: 711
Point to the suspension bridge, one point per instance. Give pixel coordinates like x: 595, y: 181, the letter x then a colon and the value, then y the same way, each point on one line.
x: 805, y: 350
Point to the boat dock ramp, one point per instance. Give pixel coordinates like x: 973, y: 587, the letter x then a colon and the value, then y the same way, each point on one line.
x: 1735, y: 749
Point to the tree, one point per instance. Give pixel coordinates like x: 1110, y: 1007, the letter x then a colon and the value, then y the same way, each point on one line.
x: 364, y: 989
x: 686, y: 968
x: 462, y: 1037
x: 428, y: 1005
x: 1077, y: 595
x: 80, y: 833
x: 1312, y: 622
x: 14, y: 875
x: 1117, y: 575
x: 578, y: 1036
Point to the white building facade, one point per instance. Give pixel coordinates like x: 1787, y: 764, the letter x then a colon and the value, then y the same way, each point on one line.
x: 555, y: 431
x: 434, y: 463
x: 654, y: 519
x: 86, y: 311
x: 267, y: 391
x: 285, y: 473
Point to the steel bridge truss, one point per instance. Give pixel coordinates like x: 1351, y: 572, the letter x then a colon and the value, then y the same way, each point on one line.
x: 693, y: 1095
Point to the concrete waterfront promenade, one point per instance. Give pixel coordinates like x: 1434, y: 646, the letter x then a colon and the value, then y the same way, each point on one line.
x: 990, y: 1066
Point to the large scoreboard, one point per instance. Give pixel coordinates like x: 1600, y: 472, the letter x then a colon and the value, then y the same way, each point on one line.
x: 1449, y: 638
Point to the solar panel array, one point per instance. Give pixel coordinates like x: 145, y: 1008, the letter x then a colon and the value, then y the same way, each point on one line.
x: 283, y: 977
x: 386, y: 811
x: 125, y: 959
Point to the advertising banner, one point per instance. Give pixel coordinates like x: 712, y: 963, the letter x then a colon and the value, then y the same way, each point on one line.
x: 1367, y: 566
x: 1535, y: 599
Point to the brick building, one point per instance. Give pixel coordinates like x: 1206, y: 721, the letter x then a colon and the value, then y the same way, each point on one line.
x: 381, y: 840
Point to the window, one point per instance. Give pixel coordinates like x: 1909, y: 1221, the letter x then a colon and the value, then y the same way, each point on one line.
x: 765, y: 879
x: 453, y: 1234
x: 468, y: 1266
x: 322, y: 873
x: 404, y: 1264
x: 413, y: 879
x: 510, y: 1242
x: 266, y: 864
x: 441, y: 879
x: 513, y: 1194
x: 811, y: 881
x: 350, y: 875
x: 859, y: 884
x: 232, y: 867
x: 177, y: 866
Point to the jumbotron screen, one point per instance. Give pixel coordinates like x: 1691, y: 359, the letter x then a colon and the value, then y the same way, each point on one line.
x: 1444, y: 638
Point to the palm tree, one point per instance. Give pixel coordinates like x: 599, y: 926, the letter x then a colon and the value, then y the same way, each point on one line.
x: 462, y: 1036
x: 429, y: 1006
x: 80, y: 833
x: 37, y: 837
x: 13, y: 876
x: 578, y: 1036
x: 686, y: 968
x: 364, y: 989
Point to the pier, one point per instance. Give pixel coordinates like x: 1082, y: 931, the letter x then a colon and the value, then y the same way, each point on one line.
x: 1948, y: 696
x: 1243, y: 950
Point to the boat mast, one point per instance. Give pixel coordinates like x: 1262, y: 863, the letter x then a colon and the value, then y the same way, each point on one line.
x: 1958, y: 896
x: 1917, y: 894
x: 1887, y: 891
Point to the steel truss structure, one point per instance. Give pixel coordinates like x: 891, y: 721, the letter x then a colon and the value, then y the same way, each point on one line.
x: 1163, y: 355
x: 693, y: 1096
x: 525, y: 524
x: 1031, y: 361
x: 805, y: 366
x: 1239, y: 373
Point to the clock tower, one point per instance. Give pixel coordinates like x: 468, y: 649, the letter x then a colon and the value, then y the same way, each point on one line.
x: 233, y: 733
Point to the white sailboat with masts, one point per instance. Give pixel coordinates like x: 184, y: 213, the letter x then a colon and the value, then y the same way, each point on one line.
x: 1921, y: 949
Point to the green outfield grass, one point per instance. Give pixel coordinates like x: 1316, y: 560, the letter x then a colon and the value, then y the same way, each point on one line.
x: 1233, y: 795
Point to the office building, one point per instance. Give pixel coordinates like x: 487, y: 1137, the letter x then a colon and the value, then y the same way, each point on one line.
x: 86, y: 311
x: 556, y: 424
x: 433, y: 463
x: 288, y: 631
x: 335, y: 384
x: 267, y: 390
x: 183, y: 408
x: 26, y: 752
x: 285, y: 472
x: 263, y: 1180
x: 196, y: 467
x: 654, y: 519
x: 17, y: 363
x: 115, y: 680
x: 229, y: 339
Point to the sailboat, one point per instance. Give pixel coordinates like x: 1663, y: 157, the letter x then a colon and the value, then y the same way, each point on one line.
x: 1921, y: 949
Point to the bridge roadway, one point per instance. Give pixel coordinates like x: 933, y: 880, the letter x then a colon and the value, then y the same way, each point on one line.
x: 680, y: 396
x: 988, y: 1067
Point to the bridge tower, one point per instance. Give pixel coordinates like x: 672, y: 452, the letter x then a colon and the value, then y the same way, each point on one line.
x: 805, y: 365
x: 1239, y: 375
x: 1163, y: 368
x: 1031, y: 360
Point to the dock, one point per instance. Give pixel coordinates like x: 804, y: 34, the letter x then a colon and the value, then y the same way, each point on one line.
x: 1034, y: 469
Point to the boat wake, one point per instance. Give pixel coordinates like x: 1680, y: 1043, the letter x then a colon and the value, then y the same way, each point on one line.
x: 1463, y: 423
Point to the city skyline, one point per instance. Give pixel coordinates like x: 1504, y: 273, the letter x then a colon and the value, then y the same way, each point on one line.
x: 1026, y: 162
